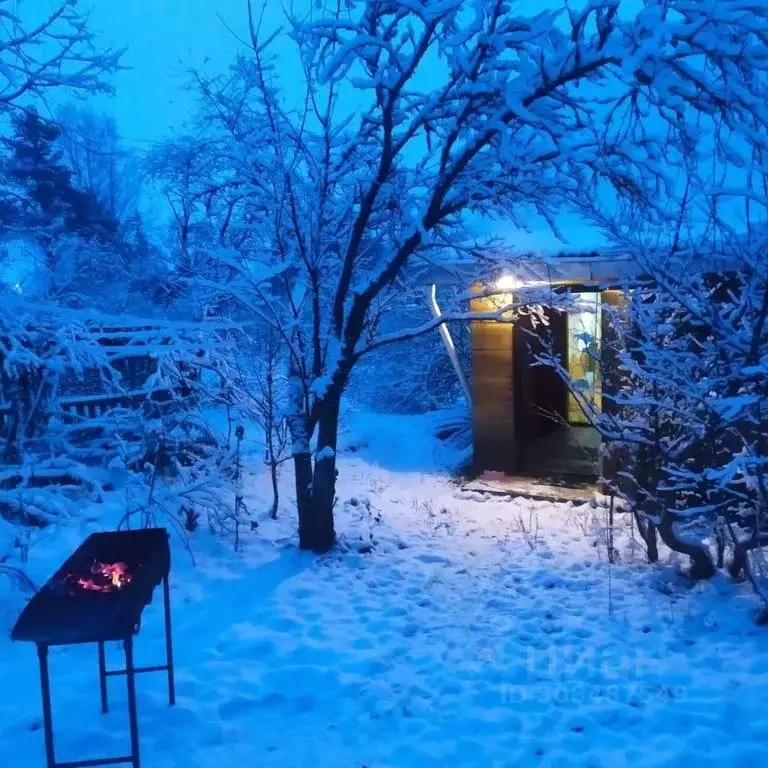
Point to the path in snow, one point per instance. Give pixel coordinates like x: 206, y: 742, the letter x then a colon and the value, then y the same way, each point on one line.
x: 477, y: 633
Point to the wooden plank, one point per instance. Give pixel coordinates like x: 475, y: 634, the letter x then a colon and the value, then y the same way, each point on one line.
x: 494, y: 444
x: 488, y: 390
x: 494, y: 407
x: 481, y: 303
x: 492, y: 335
x: 487, y: 426
x: 496, y: 385
x: 531, y: 488
x: 492, y: 362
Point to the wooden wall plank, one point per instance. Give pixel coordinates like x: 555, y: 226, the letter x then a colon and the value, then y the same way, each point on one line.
x: 492, y: 393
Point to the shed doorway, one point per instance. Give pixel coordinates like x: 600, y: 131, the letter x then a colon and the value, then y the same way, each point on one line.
x: 556, y: 440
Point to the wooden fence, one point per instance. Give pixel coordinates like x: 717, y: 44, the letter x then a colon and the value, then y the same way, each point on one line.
x: 93, y: 406
x: 80, y: 410
x: 134, y: 353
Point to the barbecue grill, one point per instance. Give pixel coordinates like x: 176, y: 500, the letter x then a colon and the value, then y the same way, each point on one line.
x: 97, y: 596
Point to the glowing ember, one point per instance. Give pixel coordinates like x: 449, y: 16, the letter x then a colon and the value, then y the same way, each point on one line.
x: 104, y: 577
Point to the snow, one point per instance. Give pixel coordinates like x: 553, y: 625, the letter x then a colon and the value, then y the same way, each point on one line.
x: 478, y: 631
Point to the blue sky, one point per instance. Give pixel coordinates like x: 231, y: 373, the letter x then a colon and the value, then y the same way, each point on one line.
x: 165, y: 38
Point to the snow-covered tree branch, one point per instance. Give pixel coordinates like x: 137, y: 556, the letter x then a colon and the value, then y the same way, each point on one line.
x: 47, y: 48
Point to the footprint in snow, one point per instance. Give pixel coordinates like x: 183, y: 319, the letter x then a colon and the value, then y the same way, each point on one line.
x: 301, y: 593
x: 581, y: 632
x: 285, y: 624
x: 212, y: 736
x: 433, y: 558
x: 236, y: 707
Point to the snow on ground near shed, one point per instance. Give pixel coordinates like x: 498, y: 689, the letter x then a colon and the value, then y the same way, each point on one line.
x: 478, y: 632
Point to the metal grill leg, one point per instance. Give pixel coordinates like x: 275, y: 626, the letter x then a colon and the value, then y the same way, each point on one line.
x: 45, y: 689
x: 103, y: 679
x: 169, y: 642
x: 131, y: 678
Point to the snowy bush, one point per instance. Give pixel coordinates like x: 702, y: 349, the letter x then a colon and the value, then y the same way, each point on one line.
x: 416, y: 376
x: 685, y: 416
x: 182, y: 474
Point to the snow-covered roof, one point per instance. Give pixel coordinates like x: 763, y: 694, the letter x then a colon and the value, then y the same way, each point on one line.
x: 584, y: 268
x: 598, y: 267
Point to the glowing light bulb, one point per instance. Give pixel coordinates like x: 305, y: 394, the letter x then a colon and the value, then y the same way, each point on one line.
x: 507, y: 283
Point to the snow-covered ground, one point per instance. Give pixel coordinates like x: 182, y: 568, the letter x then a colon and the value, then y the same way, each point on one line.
x: 477, y: 632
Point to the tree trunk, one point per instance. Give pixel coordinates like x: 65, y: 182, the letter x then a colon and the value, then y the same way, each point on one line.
x: 11, y: 452
x: 275, y: 489
x: 320, y: 535
x: 647, y: 530
x: 720, y: 540
x: 702, y: 565
x: 302, y: 468
x: 301, y: 433
x: 741, y: 550
x: 652, y: 543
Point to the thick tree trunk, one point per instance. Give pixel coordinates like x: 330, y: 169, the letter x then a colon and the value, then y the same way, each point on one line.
x: 702, y: 565
x: 301, y: 433
x: 320, y: 534
x: 302, y: 469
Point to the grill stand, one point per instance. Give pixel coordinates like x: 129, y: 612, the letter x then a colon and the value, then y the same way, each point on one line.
x: 130, y: 672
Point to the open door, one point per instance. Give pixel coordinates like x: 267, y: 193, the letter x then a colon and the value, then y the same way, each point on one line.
x: 541, y: 397
x: 555, y: 437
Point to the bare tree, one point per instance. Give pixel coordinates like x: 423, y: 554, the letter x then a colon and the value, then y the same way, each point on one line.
x: 100, y: 164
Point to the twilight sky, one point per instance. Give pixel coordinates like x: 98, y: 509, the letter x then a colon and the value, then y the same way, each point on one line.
x: 165, y: 38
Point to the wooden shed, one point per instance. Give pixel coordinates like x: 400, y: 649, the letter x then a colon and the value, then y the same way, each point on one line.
x: 524, y: 419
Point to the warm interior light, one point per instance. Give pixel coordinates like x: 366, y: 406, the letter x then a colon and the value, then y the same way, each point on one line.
x: 507, y: 283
